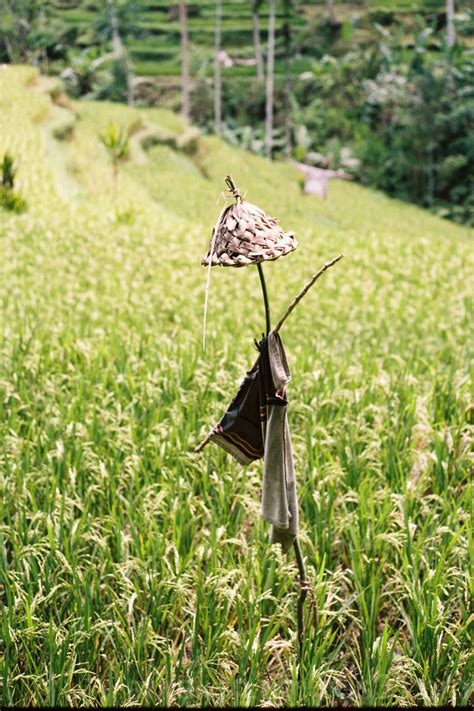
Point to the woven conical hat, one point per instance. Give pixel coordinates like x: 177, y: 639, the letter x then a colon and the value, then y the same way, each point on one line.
x: 245, y: 234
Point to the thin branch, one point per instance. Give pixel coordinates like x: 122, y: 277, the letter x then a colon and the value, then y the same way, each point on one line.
x: 304, y: 291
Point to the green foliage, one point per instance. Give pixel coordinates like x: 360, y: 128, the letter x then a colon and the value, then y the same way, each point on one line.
x: 116, y: 140
x: 407, y: 118
x: 135, y: 573
x: 65, y: 131
x: 96, y: 75
x: 12, y: 201
x: 420, y: 122
x: 30, y: 32
x: 128, y: 13
x: 125, y: 217
x: 9, y: 199
x: 8, y: 171
x: 116, y: 90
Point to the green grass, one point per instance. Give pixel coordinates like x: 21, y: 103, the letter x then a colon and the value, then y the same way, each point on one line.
x: 134, y: 572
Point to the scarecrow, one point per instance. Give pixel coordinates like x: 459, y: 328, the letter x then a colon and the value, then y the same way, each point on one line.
x: 255, y: 425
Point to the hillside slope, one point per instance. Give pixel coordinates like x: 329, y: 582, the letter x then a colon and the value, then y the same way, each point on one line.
x: 136, y: 572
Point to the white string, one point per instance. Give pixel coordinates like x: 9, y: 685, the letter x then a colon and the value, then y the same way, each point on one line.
x: 208, y: 280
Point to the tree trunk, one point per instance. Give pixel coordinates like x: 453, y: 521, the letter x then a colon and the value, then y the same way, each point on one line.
x: 9, y: 49
x: 269, y: 87
x: 331, y: 14
x: 42, y: 54
x: 217, y: 71
x: 183, y: 26
x: 451, y: 32
x: 257, y: 44
x: 287, y: 84
x: 431, y: 176
x: 6, y: 39
x: 120, y: 55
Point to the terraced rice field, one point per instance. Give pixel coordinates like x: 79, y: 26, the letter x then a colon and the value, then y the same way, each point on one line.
x: 132, y: 570
x: 156, y: 52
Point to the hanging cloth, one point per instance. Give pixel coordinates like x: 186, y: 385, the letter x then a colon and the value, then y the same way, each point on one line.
x: 255, y: 425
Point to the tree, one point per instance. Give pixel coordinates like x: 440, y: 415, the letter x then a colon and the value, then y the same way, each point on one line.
x: 418, y: 145
x: 117, y: 20
x: 116, y: 140
x: 29, y: 33
x: 217, y: 71
x: 451, y: 32
x: 120, y: 56
x: 256, y: 4
x: 87, y: 75
x: 185, y: 88
x: 287, y: 8
x: 331, y: 13
x: 270, y: 78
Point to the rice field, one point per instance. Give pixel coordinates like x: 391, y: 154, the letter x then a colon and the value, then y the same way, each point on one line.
x: 134, y: 572
x: 158, y: 28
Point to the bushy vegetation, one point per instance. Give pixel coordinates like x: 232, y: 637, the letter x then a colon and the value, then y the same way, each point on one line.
x: 134, y: 572
x: 408, y: 119
x: 9, y: 199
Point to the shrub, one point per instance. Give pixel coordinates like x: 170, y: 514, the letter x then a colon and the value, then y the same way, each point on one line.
x: 116, y: 141
x: 65, y: 131
x: 9, y: 199
x: 8, y: 171
x: 12, y: 201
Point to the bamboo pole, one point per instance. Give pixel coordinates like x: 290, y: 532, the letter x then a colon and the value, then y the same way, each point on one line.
x: 304, y: 583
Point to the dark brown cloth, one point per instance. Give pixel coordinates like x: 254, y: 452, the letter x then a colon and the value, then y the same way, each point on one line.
x: 255, y: 425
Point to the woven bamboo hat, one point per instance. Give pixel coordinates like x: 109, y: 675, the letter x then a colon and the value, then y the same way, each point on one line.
x: 244, y: 234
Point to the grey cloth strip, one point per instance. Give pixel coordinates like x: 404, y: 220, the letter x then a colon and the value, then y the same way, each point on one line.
x: 279, y: 497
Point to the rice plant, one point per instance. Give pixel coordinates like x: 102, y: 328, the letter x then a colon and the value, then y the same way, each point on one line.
x: 134, y: 572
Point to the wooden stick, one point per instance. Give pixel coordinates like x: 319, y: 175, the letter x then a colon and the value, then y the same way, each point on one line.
x: 280, y: 323
x: 304, y: 291
x: 304, y: 587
